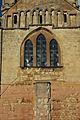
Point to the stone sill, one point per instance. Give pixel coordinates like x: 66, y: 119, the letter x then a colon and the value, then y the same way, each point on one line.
x: 26, y: 28
x: 46, y: 67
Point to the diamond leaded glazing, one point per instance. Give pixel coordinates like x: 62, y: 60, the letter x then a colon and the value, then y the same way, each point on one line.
x: 54, y: 53
x: 28, y: 54
x: 41, y: 51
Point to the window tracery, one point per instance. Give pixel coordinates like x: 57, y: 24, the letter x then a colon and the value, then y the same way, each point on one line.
x: 44, y: 54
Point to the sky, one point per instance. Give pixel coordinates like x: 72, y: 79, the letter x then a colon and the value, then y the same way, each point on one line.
x: 79, y: 2
x: 0, y: 6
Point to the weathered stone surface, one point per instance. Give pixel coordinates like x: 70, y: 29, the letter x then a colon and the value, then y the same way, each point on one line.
x: 43, y: 104
x: 19, y: 102
x: 40, y: 93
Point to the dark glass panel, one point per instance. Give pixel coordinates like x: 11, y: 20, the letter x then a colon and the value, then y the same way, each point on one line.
x: 54, y: 53
x: 28, y: 54
x: 15, y: 19
x: 41, y: 51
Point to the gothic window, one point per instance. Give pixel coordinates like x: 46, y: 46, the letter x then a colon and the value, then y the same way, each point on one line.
x: 15, y: 19
x: 28, y: 54
x: 41, y: 51
x: 54, y: 53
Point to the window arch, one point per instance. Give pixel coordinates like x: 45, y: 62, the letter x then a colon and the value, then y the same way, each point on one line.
x: 54, y: 61
x: 41, y: 51
x: 28, y: 54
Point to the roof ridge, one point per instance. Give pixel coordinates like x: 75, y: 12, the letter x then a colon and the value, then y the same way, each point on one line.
x: 11, y: 7
x: 71, y: 5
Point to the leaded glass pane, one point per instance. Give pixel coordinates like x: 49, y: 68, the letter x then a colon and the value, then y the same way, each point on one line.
x: 41, y: 51
x: 28, y: 54
x: 54, y: 53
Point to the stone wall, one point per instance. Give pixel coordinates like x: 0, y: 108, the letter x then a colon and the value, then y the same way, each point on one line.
x: 60, y: 15
x: 18, y: 101
x: 65, y: 101
x: 51, y: 17
x: 68, y: 40
x: 18, y: 95
x: 0, y: 50
x: 35, y: 93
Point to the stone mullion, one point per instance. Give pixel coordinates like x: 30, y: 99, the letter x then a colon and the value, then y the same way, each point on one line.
x: 68, y: 20
x: 60, y: 19
x: 34, y: 53
x: 30, y: 18
x: 12, y: 20
x: 49, y: 16
x: 25, y: 18
x: 6, y: 21
x: 55, y: 18
x: 59, y: 15
x: 37, y: 17
x: 52, y: 17
x: 48, y: 52
x: 19, y: 19
x: 43, y: 17
x: 47, y: 19
x: 34, y: 17
x: 78, y: 19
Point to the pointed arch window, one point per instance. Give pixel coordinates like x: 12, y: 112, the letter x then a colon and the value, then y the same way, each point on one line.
x: 54, y: 61
x: 28, y: 54
x: 41, y: 51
